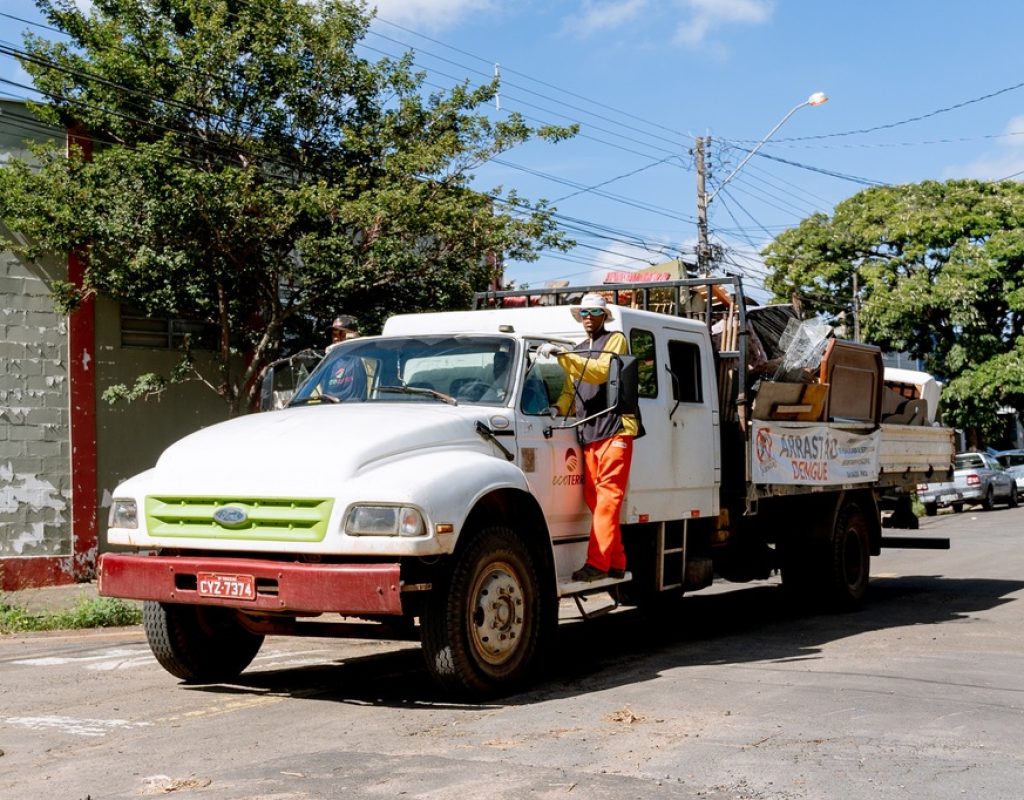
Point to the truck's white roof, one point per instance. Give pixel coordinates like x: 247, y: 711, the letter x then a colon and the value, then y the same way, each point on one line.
x: 555, y: 321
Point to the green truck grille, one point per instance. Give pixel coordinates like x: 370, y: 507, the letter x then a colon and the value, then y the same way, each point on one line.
x: 266, y: 520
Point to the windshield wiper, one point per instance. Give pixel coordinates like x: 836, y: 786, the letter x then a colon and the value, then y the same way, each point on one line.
x: 444, y: 398
x: 319, y: 398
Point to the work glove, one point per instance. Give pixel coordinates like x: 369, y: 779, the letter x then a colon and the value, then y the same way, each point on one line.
x: 549, y: 349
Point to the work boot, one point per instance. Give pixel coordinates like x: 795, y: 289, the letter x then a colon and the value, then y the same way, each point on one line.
x: 588, y: 573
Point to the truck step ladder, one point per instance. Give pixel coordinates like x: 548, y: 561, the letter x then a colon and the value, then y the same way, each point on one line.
x: 665, y: 553
x: 580, y: 590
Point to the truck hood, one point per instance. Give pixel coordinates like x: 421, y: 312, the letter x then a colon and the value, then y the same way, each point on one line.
x: 307, y: 451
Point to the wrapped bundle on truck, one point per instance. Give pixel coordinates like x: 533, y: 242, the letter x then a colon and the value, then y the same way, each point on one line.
x: 417, y: 486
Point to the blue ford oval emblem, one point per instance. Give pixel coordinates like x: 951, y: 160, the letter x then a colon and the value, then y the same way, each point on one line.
x: 230, y: 516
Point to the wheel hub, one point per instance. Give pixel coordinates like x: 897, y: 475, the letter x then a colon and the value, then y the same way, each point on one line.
x: 497, y: 613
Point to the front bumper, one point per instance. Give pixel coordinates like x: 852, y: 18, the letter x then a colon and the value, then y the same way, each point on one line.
x: 281, y: 586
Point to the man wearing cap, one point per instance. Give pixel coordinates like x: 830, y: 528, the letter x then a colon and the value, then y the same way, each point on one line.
x: 607, y: 440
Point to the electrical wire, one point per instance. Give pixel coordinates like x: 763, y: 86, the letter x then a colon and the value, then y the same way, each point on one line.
x: 598, y: 103
x: 909, y: 120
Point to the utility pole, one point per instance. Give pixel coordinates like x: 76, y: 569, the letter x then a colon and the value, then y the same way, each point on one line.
x: 856, y: 307
x: 703, y: 251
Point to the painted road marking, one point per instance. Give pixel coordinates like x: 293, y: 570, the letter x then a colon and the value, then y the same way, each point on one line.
x: 74, y: 725
x: 115, y: 658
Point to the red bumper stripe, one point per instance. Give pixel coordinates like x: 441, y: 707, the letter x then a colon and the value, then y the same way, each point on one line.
x: 280, y: 586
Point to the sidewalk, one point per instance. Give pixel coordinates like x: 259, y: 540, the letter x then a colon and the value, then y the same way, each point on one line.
x: 50, y: 598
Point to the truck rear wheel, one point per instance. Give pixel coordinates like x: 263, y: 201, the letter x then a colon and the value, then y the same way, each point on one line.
x: 199, y: 644
x: 482, y: 632
x: 851, y: 558
x: 832, y: 571
x: 930, y: 509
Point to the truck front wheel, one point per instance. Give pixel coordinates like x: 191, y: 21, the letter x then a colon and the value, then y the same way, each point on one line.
x: 482, y: 631
x: 199, y: 644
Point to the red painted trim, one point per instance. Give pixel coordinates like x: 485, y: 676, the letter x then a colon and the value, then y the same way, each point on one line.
x: 281, y: 585
x: 28, y: 572
x: 82, y: 392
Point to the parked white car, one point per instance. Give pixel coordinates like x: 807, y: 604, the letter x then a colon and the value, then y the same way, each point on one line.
x: 1013, y: 463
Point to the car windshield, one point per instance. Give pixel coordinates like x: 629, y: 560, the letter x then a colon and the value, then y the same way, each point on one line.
x: 1011, y: 459
x: 462, y: 369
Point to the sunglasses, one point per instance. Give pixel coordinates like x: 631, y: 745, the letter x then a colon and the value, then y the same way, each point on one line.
x: 591, y: 312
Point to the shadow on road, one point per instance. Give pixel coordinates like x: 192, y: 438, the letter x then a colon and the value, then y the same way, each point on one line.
x: 748, y: 624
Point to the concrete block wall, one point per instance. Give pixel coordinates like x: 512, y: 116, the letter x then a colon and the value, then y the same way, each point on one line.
x: 35, y: 458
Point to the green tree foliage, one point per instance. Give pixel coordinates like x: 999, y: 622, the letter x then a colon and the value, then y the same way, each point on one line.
x: 250, y: 169
x: 940, y: 268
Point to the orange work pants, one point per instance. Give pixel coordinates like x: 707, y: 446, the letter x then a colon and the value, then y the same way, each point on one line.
x: 606, y: 465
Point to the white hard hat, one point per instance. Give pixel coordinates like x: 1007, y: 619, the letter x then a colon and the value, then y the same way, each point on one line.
x: 593, y: 300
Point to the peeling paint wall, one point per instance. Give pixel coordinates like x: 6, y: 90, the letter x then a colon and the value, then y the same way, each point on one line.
x: 35, y: 479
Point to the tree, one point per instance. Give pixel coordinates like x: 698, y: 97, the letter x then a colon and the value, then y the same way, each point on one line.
x: 251, y: 170
x: 940, y: 269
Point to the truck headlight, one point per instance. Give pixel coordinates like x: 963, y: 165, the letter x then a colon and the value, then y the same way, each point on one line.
x: 123, y: 514
x: 384, y: 521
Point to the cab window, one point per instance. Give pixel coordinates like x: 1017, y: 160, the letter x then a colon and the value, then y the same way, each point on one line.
x: 641, y: 345
x: 684, y: 362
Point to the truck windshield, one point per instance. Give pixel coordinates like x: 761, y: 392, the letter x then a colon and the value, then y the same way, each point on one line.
x: 464, y: 369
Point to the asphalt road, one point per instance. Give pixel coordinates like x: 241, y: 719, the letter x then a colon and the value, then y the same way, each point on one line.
x: 919, y: 695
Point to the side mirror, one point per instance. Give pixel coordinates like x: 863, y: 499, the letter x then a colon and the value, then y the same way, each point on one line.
x: 624, y: 385
x: 283, y: 377
x: 267, y: 390
x: 623, y: 392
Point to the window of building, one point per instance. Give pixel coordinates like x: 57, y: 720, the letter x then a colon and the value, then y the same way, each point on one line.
x: 164, y: 333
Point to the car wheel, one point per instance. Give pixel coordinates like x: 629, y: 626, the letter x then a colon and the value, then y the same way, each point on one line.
x: 1013, y: 496
x: 990, y: 499
x: 957, y: 507
x: 930, y: 509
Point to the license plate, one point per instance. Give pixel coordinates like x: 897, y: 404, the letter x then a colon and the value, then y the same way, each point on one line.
x: 948, y: 498
x: 226, y: 587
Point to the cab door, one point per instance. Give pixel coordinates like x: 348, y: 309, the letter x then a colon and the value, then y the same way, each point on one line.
x: 552, y: 463
x: 676, y: 465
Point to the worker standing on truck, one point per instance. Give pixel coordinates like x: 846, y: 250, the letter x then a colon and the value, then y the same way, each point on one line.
x: 607, y: 440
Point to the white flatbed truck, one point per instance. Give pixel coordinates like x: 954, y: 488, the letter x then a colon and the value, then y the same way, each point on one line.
x: 416, y: 486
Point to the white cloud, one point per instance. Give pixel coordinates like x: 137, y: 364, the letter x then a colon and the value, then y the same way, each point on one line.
x: 1006, y: 161
x: 596, y: 16
x: 429, y: 14
x: 707, y: 15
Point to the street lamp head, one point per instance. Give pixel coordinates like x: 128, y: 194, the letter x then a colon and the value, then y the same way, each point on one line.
x: 817, y: 99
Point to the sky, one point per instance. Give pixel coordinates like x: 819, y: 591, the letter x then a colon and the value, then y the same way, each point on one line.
x: 918, y: 90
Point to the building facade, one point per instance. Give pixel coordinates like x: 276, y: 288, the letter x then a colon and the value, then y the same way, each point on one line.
x: 63, y: 449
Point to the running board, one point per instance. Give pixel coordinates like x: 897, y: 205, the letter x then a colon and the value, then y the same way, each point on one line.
x: 572, y: 588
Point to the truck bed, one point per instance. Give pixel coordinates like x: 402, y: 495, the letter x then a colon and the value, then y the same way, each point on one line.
x: 922, y: 452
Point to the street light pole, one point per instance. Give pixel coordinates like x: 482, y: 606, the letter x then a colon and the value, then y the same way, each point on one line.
x: 704, y: 200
